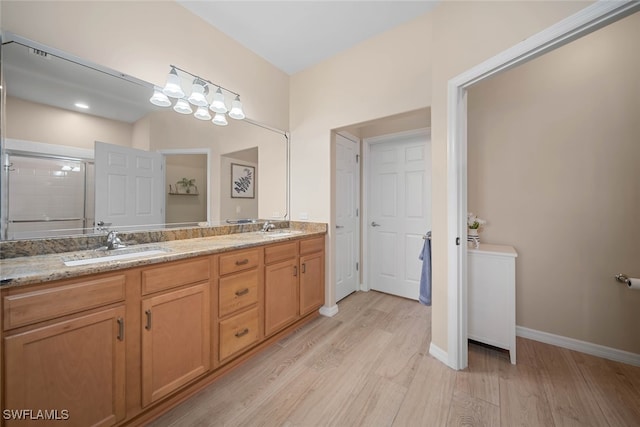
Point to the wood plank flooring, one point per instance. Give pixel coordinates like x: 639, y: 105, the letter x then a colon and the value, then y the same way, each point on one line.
x: 369, y: 366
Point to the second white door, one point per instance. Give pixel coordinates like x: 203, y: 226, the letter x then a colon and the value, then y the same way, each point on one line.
x: 347, y: 218
x: 398, y: 211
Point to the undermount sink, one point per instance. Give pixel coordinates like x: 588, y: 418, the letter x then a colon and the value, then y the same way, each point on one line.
x: 280, y: 233
x: 100, y: 256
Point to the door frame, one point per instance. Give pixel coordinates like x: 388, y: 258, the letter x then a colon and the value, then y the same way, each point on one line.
x: 358, y: 240
x: 587, y: 20
x: 179, y: 151
x: 366, y: 168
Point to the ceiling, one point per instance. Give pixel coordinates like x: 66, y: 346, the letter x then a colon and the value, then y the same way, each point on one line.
x: 296, y: 34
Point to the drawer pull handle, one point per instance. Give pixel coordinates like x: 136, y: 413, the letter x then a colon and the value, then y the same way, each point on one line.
x: 242, y: 333
x: 241, y: 292
x: 148, y: 325
x: 304, y: 267
x: 242, y: 262
x: 120, y: 329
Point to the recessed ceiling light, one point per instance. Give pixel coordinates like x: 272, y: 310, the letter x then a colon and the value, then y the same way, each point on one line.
x: 82, y: 105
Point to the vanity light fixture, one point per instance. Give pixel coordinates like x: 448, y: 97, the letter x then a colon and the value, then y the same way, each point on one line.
x: 159, y: 98
x: 200, y: 89
x: 202, y: 113
x: 172, y: 88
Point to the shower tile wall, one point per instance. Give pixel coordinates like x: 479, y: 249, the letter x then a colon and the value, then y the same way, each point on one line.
x: 46, y: 196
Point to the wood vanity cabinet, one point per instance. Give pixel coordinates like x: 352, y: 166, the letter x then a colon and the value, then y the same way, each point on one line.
x: 120, y: 348
x: 64, y: 350
x: 176, y: 326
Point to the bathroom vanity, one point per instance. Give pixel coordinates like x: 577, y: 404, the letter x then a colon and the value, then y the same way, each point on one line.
x: 120, y: 342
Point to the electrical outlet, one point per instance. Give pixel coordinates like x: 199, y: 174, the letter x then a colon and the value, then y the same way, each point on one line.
x: 304, y: 215
x: 238, y: 209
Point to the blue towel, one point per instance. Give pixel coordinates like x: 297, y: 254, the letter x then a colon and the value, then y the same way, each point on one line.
x: 425, y: 277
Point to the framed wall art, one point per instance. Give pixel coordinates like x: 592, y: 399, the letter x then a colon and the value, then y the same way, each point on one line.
x: 243, y: 179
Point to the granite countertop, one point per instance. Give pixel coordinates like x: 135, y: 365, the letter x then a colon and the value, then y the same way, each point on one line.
x: 43, y: 268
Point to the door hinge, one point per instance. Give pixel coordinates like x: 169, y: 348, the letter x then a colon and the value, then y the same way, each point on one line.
x: 357, y: 211
x: 357, y: 157
x: 457, y: 241
x: 357, y: 266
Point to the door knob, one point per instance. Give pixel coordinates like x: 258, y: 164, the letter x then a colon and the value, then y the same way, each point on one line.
x: 374, y: 224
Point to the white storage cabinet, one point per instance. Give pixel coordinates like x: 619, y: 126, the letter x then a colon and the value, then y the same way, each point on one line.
x: 492, y: 296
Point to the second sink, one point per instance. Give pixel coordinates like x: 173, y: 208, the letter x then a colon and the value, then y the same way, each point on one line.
x: 114, y: 255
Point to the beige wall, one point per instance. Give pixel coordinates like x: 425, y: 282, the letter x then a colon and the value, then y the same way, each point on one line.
x: 553, y: 153
x: 402, y: 70
x: 383, y: 76
x: 31, y: 121
x: 186, y: 208
x: 142, y: 38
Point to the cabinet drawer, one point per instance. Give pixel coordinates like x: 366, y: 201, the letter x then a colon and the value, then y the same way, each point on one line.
x: 238, y: 332
x: 174, y: 274
x: 37, y: 306
x: 312, y: 245
x: 281, y: 252
x: 239, y: 260
x: 238, y: 291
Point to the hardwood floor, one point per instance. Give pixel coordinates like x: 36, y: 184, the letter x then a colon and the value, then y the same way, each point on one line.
x: 369, y: 366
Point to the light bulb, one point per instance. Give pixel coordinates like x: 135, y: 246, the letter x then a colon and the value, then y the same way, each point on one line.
x: 202, y: 114
x: 172, y: 88
x: 159, y: 98
x: 182, y: 107
x: 220, y: 119
x: 198, y: 92
x: 236, y: 109
x: 217, y: 105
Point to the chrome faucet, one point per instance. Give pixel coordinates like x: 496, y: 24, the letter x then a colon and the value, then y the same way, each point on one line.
x: 113, y: 241
x: 268, y: 226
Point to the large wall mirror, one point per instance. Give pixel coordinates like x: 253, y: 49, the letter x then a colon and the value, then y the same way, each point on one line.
x: 63, y: 116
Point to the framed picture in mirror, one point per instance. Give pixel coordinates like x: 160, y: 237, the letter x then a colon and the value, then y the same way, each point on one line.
x: 242, y: 181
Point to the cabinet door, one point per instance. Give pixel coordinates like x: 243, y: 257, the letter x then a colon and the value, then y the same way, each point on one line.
x: 281, y: 295
x: 76, y: 367
x: 175, y: 340
x: 311, y: 282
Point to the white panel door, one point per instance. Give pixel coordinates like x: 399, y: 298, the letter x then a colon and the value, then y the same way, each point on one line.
x: 347, y: 221
x: 129, y: 186
x: 399, y: 212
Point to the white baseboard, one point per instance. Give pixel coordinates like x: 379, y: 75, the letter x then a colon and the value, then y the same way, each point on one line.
x: 329, y: 311
x: 581, y: 346
x: 439, y: 353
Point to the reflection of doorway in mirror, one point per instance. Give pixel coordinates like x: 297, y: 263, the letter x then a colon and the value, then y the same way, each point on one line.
x: 182, y: 206
x: 232, y: 207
